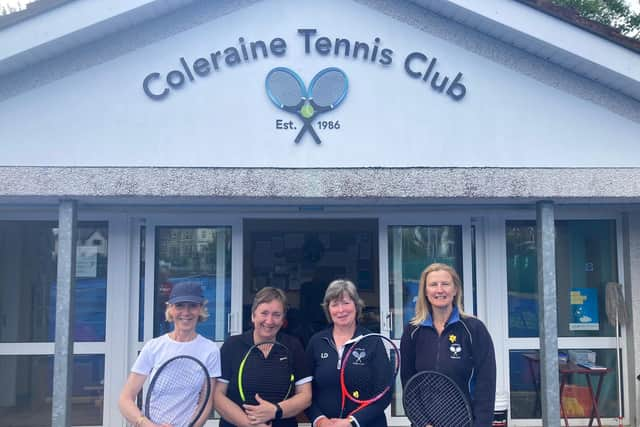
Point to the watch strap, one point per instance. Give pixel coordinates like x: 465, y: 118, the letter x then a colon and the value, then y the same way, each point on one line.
x: 278, y: 412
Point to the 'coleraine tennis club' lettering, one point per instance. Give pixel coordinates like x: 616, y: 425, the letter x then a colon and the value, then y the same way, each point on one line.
x: 417, y: 65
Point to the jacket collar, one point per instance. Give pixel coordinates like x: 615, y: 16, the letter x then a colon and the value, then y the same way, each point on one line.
x: 453, y: 318
x: 328, y: 332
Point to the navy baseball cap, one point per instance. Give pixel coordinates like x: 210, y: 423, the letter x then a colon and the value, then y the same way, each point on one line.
x: 186, y: 292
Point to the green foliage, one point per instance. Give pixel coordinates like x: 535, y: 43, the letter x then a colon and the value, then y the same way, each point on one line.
x: 614, y: 13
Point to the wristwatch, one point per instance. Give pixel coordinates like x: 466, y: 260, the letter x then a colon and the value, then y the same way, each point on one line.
x: 278, y: 412
x: 353, y: 421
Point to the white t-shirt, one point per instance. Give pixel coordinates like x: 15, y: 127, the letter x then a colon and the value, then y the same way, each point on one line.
x: 159, y: 350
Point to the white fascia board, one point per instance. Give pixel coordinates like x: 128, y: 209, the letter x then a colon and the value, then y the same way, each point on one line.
x: 532, y: 23
x: 72, y: 24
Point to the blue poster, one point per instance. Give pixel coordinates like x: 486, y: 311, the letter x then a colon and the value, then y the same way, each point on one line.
x: 584, y: 309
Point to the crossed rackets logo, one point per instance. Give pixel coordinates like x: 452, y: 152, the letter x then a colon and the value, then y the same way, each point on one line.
x: 326, y: 91
x: 359, y: 354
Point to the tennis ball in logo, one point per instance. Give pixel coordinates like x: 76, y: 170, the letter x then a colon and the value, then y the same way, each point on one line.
x: 307, y: 111
x: 356, y: 394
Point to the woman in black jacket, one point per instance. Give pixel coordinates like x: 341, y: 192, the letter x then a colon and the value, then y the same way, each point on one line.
x: 442, y: 338
x: 342, y: 306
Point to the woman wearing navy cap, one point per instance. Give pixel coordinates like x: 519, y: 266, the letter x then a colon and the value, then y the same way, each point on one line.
x: 185, y: 308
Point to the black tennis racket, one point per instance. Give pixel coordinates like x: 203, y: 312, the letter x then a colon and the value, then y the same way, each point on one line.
x: 287, y: 91
x: 433, y: 399
x: 266, y: 369
x: 368, y: 371
x: 178, y: 393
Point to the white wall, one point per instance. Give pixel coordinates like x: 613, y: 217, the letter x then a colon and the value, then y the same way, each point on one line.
x: 101, y: 117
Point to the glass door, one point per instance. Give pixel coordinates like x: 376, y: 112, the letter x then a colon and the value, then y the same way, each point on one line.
x: 408, y: 244
x: 301, y: 257
x: 169, y: 249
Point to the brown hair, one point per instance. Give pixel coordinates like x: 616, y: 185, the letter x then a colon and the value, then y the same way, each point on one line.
x: 335, y: 290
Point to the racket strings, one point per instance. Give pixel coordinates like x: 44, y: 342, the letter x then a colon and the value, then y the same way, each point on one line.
x: 434, y: 401
x: 329, y: 88
x: 268, y: 372
x: 285, y: 88
x: 177, y: 393
x: 370, y: 369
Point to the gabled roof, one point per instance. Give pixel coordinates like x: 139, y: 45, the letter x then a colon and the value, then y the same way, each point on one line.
x: 541, y: 34
x: 526, y: 24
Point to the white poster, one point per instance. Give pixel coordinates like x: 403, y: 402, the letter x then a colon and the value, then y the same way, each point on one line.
x: 87, y: 261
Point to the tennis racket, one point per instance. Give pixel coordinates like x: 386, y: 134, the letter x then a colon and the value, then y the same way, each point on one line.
x: 327, y: 90
x: 433, y: 399
x: 287, y: 91
x: 178, y: 393
x: 266, y: 369
x: 368, y: 371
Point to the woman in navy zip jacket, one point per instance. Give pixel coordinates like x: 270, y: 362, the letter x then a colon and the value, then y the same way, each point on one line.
x: 442, y: 338
x: 342, y: 306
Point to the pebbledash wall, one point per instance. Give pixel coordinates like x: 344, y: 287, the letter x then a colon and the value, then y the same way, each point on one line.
x: 157, y: 112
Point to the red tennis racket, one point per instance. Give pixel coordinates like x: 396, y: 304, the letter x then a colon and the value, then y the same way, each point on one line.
x: 368, y: 372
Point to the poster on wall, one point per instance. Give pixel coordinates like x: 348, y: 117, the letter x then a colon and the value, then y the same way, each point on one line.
x: 584, y: 309
x: 86, y: 261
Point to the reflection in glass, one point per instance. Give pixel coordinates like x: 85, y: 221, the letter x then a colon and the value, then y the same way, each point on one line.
x: 585, y: 262
x: 28, y: 271
x: 194, y: 254
x: 411, y: 250
x: 524, y: 371
x: 26, y: 387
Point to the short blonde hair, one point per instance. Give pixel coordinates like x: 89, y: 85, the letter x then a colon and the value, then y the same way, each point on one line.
x: 268, y: 294
x: 423, y: 306
x: 335, y: 290
x: 204, y: 312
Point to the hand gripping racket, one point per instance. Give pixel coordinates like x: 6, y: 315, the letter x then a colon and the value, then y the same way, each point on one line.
x: 368, y: 371
x: 433, y: 399
x: 178, y: 393
x: 286, y: 90
x: 266, y: 369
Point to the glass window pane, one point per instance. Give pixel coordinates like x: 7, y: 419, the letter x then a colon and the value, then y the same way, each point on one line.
x: 28, y: 271
x: 194, y: 254
x: 26, y: 387
x: 585, y: 262
x: 411, y: 250
x: 522, y: 276
x: 524, y: 371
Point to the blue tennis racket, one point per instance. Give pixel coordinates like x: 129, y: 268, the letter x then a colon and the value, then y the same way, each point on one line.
x: 327, y: 90
x: 287, y: 91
